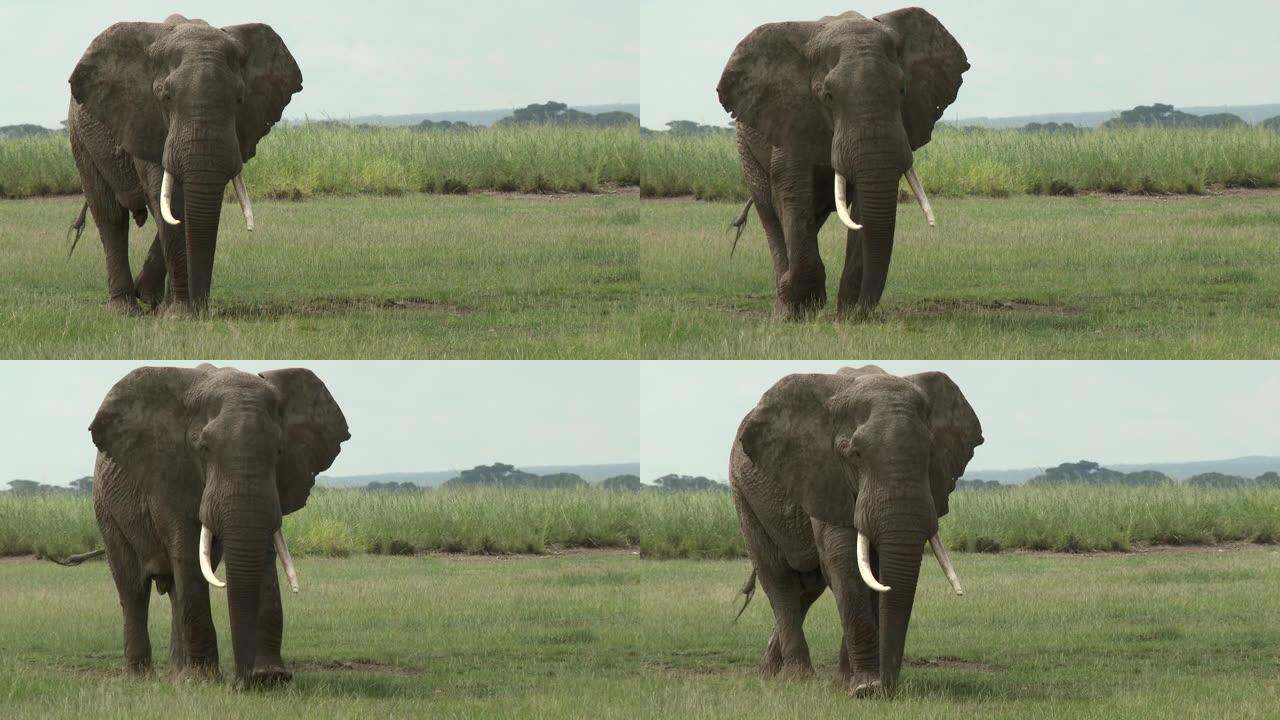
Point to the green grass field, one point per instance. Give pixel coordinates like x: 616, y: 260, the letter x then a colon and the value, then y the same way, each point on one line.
x: 1013, y: 278
x: 418, y: 276
x: 687, y: 525
x: 1004, y: 163
x: 1151, y: 635
x: 299, y: 162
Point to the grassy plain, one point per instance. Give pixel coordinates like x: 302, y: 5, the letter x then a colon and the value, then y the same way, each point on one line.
x: 1149, y: 635
x: 1022, y: 277
x: 420, y: 276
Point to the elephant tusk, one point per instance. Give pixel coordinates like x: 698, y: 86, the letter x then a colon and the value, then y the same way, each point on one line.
x: 166, y: 199
x: 246, y: 207
x: 842, y: 203
x: 864, y: 564
x: 206, y: 557
x: 940, y: 552
x: 918, y: 189
x: 285, y: 559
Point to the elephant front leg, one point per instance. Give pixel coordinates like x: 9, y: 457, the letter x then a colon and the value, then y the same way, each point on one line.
x: 193, y: 621
x: 167, y: 259
x: 803, y: 287
x: 851, y: 278
x: 860, y: 666
x: 268, y: 666
x: 149, y: 284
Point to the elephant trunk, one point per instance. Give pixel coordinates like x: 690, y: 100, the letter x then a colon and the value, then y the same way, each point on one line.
x: 899, y: 556
x: 245, y: 550
x: 203, y: 209
x: 878, y: 213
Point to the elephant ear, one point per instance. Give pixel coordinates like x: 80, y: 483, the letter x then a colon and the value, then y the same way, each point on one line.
x: 933, y: 62
x: 956, y: 433
x: 271, y: 77
x: 113, y: 82
x: 768, y: 83
x: 314, y: 429
x: 789, y: 437
x: 142, y: 422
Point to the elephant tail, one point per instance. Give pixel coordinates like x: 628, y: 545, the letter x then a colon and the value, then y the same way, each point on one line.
x: 740, y: 224
x: 748, y: 590
x: 74, y: 560
x: 77, y: 227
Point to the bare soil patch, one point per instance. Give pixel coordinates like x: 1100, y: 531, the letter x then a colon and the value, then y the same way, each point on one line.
x: 935, y: 308
x: 369, y: 666
x: 947, y: 662
x: 554, y: 552
x: 1152, y: 550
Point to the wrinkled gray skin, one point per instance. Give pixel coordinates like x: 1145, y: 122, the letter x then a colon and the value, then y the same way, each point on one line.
x: 822, y: 457
x: 844, y: 94
x: 183, y: 96
x: 178, y: 447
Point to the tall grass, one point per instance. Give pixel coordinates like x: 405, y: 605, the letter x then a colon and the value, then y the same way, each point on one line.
x: 308, y: 160
x: 688, y: 525
x: 1001, y: 163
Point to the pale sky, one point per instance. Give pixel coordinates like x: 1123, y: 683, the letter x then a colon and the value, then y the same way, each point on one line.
x: 1033, y: 414
x: 1028, y: 57
x: 403, y: 416
x: 384, y: 57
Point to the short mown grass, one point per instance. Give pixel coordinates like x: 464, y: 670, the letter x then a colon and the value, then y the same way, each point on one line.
x: 1157, y: 635
x: 687, y: 525
x: 308, y: 160
x: 1000, y: 163
x: 418, y: 276
x: 1015, y: 278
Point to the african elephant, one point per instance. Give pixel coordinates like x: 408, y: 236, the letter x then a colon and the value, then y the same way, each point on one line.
x: 837, y: 103
x: 839, y: 480
x: 162, y: 116
x: 195, y: 465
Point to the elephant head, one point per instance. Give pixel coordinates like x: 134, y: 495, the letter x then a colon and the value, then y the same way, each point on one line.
x: 857, y: 94
x: 251, y: 445
x: 881, y: 453
x: 195, y: 100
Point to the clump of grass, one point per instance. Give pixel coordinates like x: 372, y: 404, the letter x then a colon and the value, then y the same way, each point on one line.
x: 304, y: 161
x: 999, y: 163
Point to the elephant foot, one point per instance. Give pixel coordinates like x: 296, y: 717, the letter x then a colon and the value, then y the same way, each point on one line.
x: 151, y: 297
x: 796, y: 670
x: 267, y: 678
x: 195, y: 671
x: 124, y: 306
x: 858, y: 313
x: 180, y: 310
x: 137, y: 669
x: 864, y: 686
x: 270, y: 672
x: 798, y: 311
x: 801, y: 300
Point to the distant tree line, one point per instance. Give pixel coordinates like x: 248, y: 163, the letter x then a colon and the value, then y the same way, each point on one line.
x: 1087, y: 472
x: 82, y: 485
